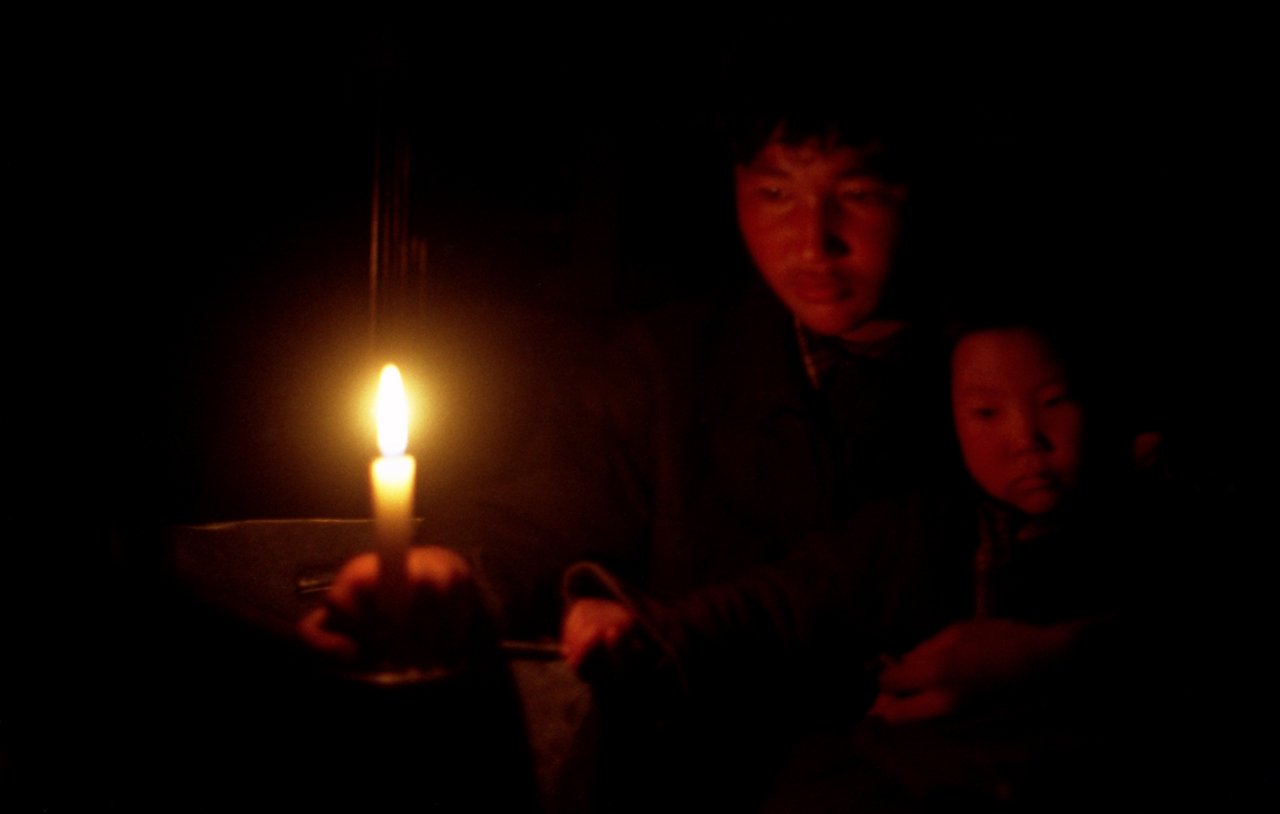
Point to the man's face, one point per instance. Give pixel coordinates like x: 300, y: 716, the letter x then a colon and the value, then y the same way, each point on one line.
x: 1019, y: 426
x: 822, y: 227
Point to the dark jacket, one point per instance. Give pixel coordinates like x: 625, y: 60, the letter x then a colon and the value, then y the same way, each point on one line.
x: 697, y: 460
x: 697, y: 450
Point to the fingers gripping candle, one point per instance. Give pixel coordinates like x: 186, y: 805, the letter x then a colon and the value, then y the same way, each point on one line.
x: 392, y: 477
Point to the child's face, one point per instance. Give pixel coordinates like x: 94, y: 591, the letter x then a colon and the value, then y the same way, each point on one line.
x: 1019, y: 426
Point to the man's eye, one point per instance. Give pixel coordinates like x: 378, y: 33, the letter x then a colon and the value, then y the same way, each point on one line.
x: 771, y: 193
x: 867, y: 195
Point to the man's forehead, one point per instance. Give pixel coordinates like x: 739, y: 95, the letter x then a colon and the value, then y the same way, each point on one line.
x: 780, y: 155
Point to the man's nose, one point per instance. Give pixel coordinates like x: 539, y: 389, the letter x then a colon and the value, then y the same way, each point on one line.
x: 819, y: 230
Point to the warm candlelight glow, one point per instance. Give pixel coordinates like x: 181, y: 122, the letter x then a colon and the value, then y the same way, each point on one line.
x: 392, y: 476
x: 391, y: 411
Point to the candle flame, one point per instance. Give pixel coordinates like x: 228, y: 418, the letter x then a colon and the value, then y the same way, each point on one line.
x: 391, y: 410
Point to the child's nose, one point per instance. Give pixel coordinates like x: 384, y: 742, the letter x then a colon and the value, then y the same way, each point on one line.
x: 1026, y: 434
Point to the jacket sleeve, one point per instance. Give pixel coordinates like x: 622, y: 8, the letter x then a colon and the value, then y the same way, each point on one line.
x: 806, y: 630
x: 573, y: 490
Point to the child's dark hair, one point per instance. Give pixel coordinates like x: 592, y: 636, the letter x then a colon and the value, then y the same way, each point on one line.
x: 1094, y: 366
x: 999, y: 313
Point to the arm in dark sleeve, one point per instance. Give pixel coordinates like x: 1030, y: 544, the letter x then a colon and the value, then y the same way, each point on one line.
x: 573, y: 490
x: 803, y: 628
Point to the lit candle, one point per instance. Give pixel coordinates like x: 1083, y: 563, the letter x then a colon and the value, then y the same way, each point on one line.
x: 392, y: 477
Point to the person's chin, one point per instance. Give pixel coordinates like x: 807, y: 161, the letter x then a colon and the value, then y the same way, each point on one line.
x: 833, y: 317
x: 1036, y: 499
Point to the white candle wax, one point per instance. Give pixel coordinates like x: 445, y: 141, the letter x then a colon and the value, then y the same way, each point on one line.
x: 392, y: 476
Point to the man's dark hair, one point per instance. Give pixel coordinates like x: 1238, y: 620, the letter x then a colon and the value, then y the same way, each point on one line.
x: 796, y: 81
x: 801, y: 90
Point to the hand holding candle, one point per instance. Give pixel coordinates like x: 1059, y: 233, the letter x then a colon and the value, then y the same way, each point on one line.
x: 398, y: 606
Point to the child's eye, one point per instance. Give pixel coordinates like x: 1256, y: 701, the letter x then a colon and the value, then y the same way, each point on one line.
x: 1058, y: 398
x: 983, y: 413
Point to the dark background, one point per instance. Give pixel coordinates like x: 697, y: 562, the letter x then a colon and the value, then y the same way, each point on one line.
x: 188, y: 238
x: 191, y: 209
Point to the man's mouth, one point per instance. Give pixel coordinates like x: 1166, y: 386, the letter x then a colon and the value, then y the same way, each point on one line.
x: 1036, y: 482
x: 820, y: 287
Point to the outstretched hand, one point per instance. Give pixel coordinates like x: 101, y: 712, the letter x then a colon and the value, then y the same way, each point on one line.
x: 441, y: 622
x: 967, y: 661
x: 599, y: 637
